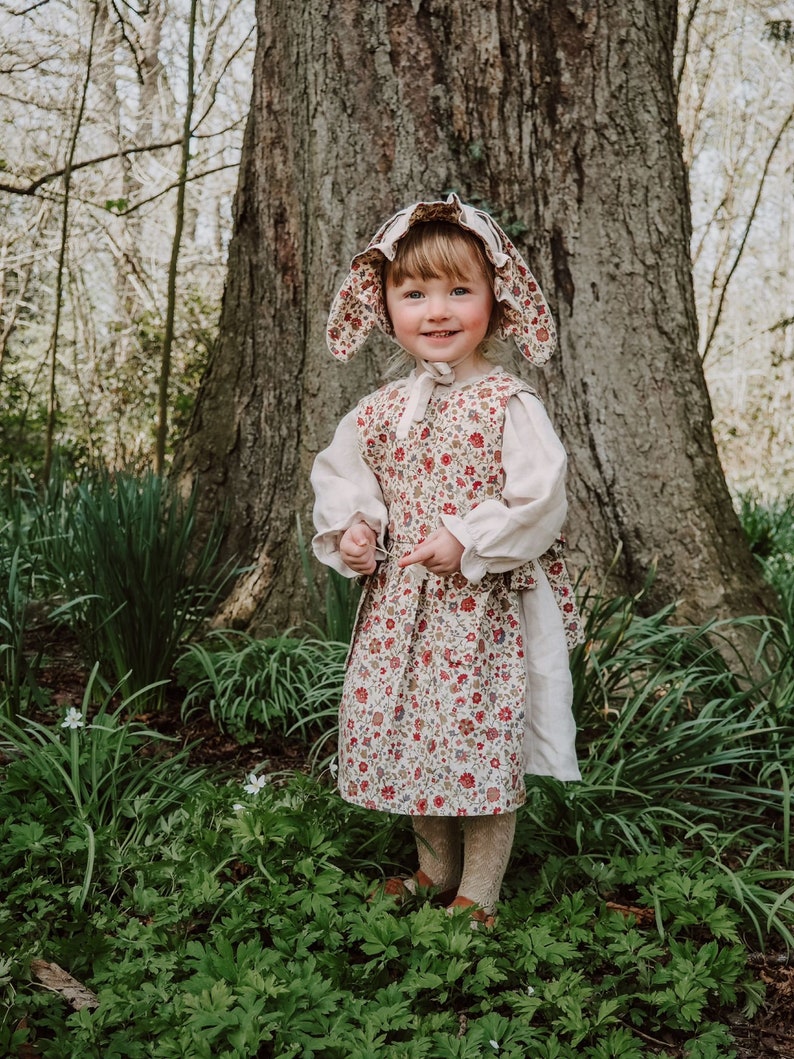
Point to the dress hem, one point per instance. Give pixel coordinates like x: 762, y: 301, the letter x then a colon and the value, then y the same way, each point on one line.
x: 393, y: 810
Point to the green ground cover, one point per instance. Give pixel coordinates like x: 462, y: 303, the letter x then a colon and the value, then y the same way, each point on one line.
x: 227, y: 915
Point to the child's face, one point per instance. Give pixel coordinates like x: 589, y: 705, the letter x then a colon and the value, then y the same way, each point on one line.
x: 442, y: 320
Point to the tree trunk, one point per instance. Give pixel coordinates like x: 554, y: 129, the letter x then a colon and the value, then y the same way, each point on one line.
x: 561, y: 118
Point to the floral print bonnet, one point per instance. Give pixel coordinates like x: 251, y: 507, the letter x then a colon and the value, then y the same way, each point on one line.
x: 359, y: 306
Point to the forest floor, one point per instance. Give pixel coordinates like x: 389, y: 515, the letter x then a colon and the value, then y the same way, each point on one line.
x: 770, y: 1034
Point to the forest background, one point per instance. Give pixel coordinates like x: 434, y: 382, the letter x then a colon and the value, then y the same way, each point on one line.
x: 169, y: 835
x: 92, y: 122
x: 118, y: 229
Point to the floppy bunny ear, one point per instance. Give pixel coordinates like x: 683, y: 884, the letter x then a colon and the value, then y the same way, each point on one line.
x: 359, y: 306
x: 526, y: 316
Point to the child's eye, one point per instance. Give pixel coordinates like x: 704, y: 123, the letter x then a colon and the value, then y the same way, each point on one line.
x: 460, y: 290
x: 414, y: 294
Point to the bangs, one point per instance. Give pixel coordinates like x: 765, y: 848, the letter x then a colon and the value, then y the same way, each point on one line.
x: 438, y: 249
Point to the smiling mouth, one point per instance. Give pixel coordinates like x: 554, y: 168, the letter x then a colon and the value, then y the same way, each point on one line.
x: 438, y: 334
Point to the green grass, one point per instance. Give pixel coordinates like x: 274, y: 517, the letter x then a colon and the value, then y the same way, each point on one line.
x: 283, y: 684
x: 17, y: 670
x: 96, y: 779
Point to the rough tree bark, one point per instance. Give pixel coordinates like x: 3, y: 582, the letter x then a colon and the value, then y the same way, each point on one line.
x: 560, y: 116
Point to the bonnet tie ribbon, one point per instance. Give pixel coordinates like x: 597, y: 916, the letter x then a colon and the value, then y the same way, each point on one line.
x: 421, y: 389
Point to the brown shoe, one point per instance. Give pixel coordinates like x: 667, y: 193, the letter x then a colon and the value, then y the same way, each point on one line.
x: 401, y: 889
x: 479, y: 917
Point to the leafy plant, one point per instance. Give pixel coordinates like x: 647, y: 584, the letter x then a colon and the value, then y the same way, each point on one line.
x: 680, y: 747
x: 769, y: 527
x: 92, y: 774
x: 38, y: 518
x: 123, y: 549
x: 19, y: 666
x: 247, y: 931
x: 17, y: 675
x: 286, y: 684
x: 218, y: 922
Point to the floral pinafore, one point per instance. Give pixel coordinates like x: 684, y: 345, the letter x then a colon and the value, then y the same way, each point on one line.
x: 432, y: 713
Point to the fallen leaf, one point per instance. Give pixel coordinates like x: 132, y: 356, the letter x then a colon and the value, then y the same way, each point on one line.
x: 55, y: 978
x: 642, y: 915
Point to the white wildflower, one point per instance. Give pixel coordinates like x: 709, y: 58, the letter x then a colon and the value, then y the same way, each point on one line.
x: 73, y: 719
x: 530, y: 990
x: 494, y: 1045
x: 238, y: 806
x: 255, y: 784
x: 333, y: 768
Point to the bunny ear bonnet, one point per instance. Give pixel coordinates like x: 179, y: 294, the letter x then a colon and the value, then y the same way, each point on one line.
x: 360, y: 304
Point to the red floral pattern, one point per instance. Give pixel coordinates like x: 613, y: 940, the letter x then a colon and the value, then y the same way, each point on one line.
x: 557, y: 574
x: 439, y: 727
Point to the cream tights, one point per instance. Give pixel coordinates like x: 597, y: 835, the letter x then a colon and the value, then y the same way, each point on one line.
x: 488, y: 841
x: 438, y: 846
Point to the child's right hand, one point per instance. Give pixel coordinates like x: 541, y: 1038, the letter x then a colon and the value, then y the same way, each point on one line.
x: 357, y: 548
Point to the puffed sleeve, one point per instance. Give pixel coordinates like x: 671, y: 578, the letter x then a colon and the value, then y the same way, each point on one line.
x: 345, y: 491
x: 499, y: 535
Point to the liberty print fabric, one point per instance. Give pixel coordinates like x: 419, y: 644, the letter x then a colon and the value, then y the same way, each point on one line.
x: 556, y: 572
x: 432, y: 717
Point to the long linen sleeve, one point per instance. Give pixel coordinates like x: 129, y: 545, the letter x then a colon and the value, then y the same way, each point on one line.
x: 346, y: 491
x: 499, y: 535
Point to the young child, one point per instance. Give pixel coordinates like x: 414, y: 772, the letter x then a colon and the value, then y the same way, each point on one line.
x: 445, y: 490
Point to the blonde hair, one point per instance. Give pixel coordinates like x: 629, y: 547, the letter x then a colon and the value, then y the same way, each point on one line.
x: 435, y: 249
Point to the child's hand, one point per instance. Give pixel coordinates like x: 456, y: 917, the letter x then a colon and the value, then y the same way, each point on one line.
x: 357, y: 548
x: 440, y: 553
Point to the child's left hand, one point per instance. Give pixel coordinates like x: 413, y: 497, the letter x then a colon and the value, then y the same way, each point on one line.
x: 440, y: 553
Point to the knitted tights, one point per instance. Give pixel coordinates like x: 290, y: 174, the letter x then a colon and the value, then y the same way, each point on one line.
x: 488, y: 842
x: 438, y: 845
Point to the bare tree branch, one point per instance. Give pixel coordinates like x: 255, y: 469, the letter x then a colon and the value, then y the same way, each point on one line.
x: 190, y: 179
x: 748, y: 225
x: 131, y: 44
x: 23, y: 267
x: 124, y: 152
x: 115, y: 270
x: 213, y: 91
x: 56, y: 174
x: 24, y: 66
x: 27, y: 10
x: 179, y: 221
x: 684, y: 52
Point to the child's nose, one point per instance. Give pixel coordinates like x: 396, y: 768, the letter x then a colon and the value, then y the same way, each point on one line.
x: 437, y: 308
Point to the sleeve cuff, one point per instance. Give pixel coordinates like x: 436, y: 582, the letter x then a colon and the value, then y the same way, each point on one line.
x: 472, y: 566
x: 326, y: 545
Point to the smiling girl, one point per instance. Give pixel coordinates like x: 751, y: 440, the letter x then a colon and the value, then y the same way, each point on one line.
x: 445, y: 491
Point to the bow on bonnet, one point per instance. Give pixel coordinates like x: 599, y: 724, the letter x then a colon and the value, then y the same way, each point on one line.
x: 360, y: 305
